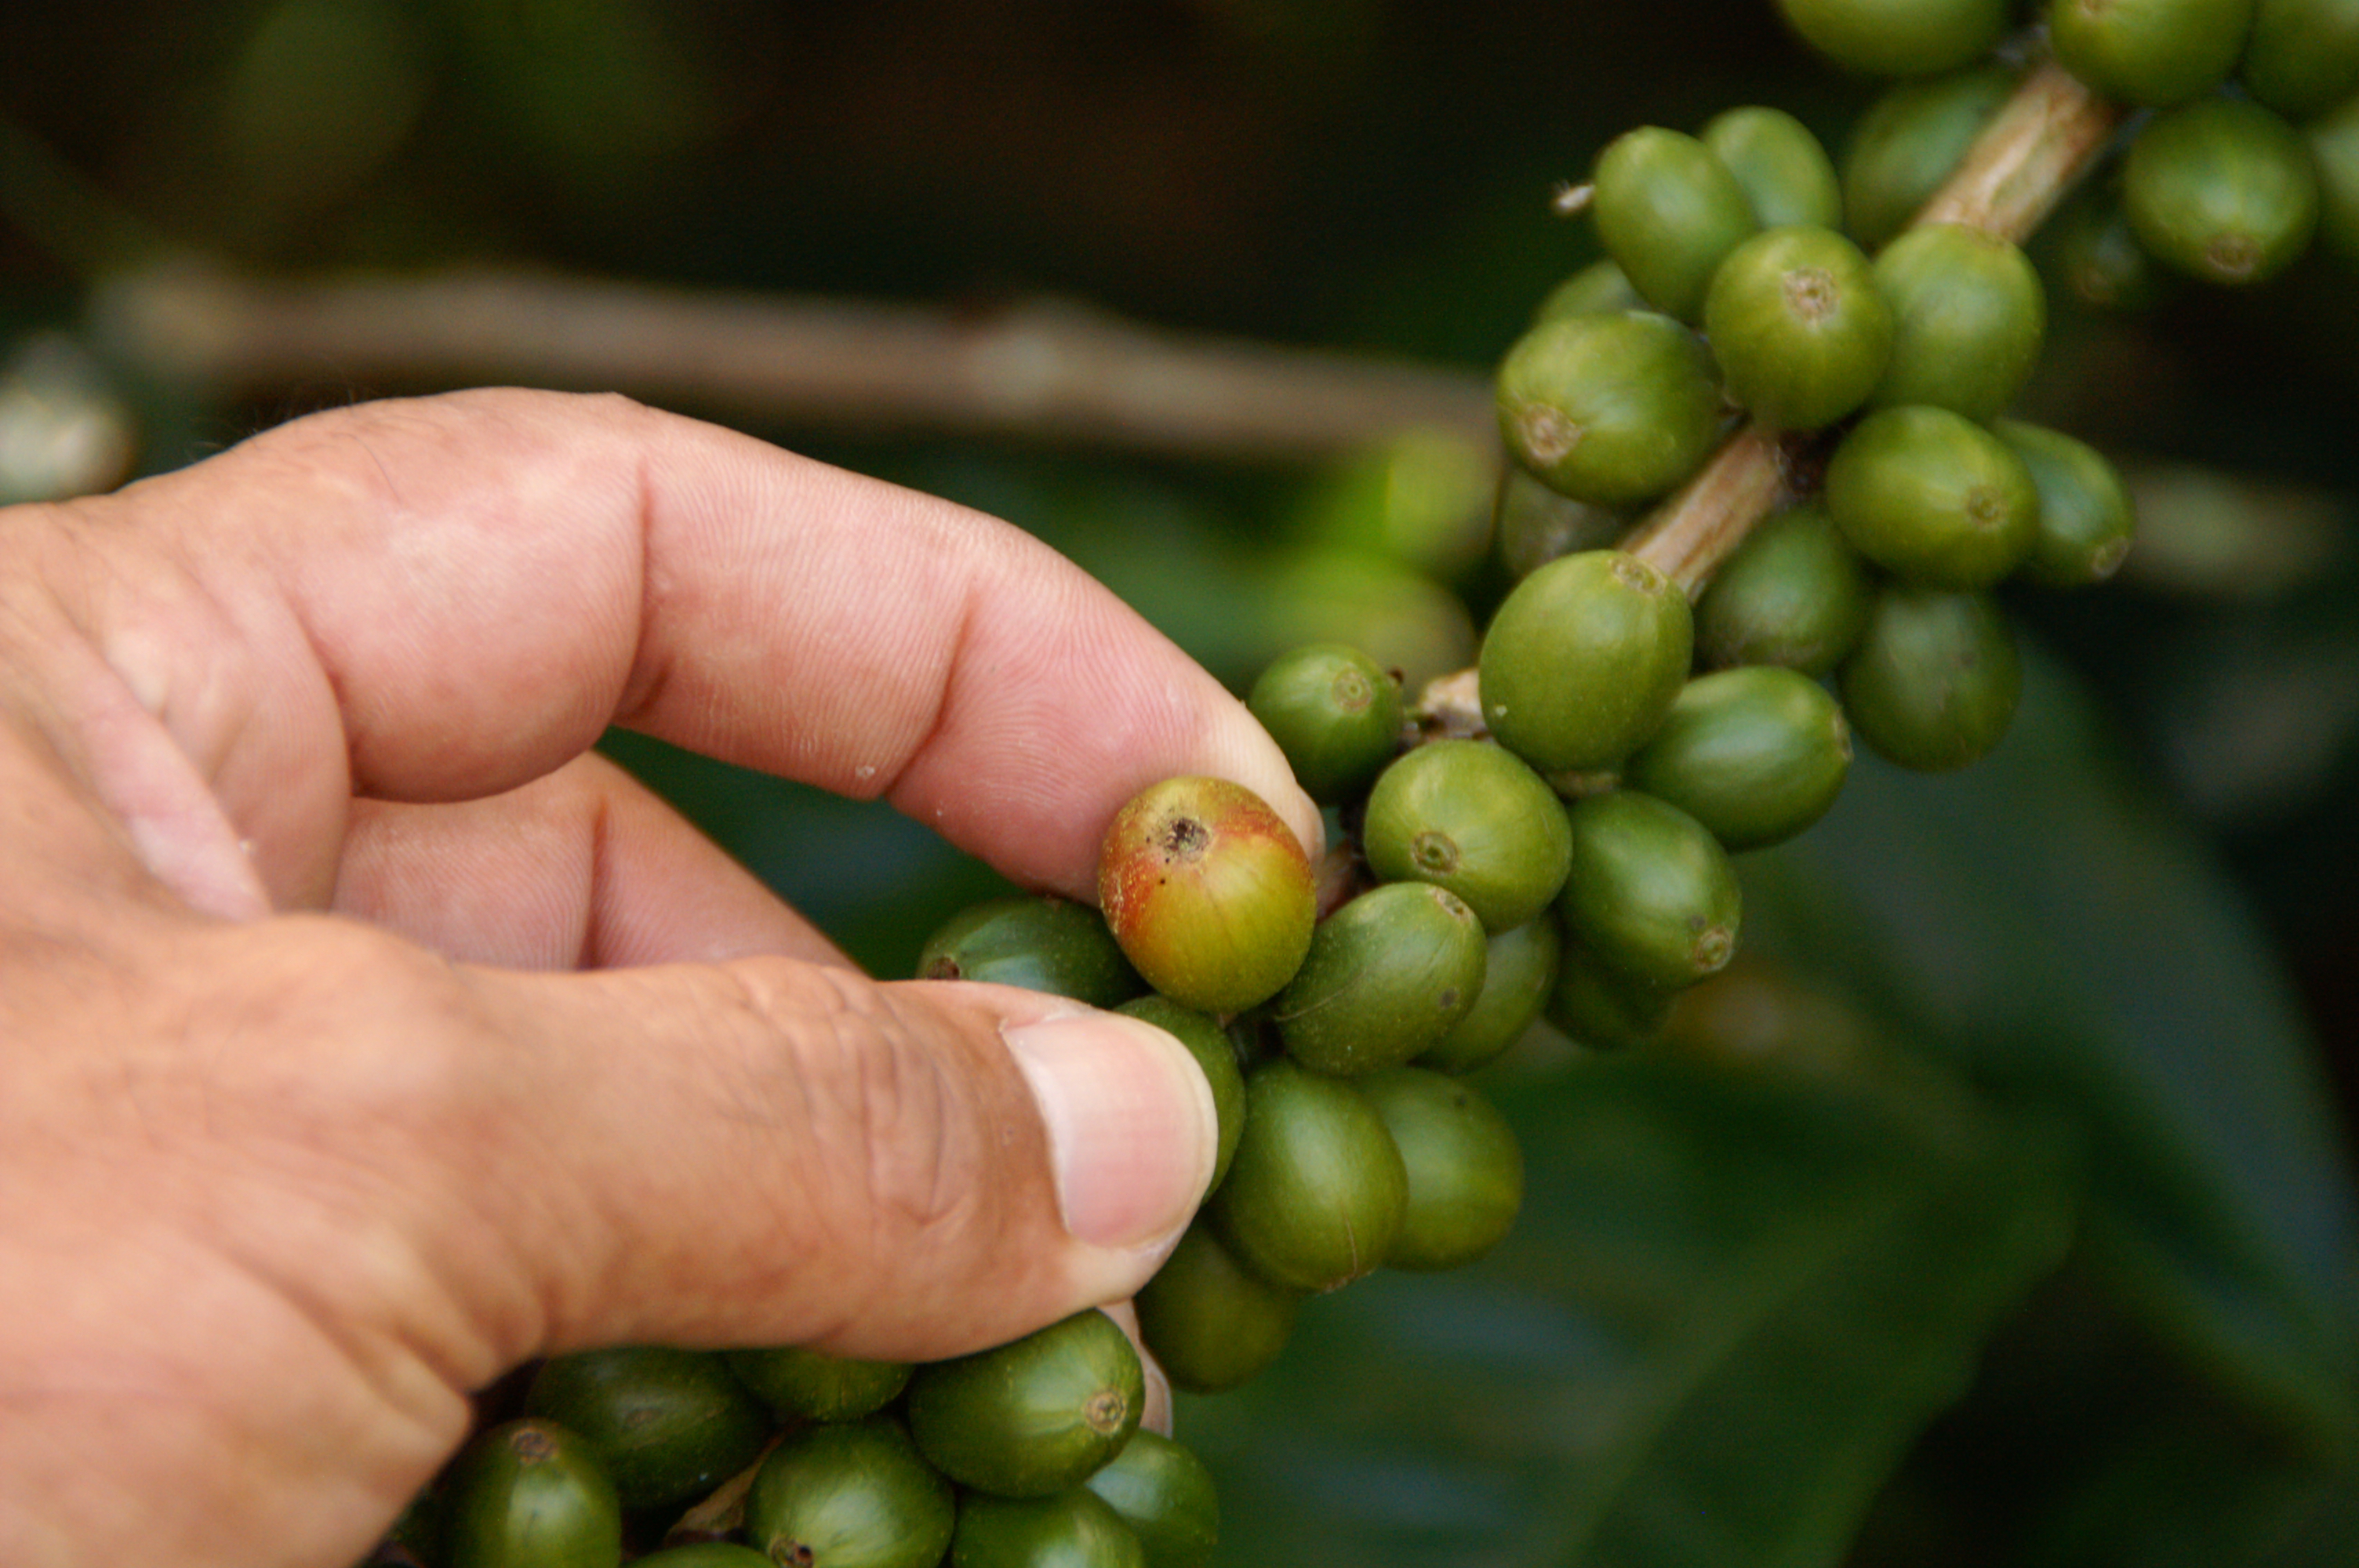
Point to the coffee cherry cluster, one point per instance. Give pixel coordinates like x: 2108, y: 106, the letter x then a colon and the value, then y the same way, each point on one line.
x: 1803, y: 367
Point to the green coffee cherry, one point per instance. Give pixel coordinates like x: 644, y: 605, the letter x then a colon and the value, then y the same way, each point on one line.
x: 1908, y: 142
x: 2095, y: 253
x: 666, y: 1424
x: 1786, y: 173
x: 1469, y: 817
x: 1793, y: 593
x: 1609, y: 409
x: 1212, y: 1323
x: 704, y: 1554
x: 1388, y: 974
x: 1969, y: 316
x: 1666, y: 211
x: 801, y: 1384
x: 1076, y: 1529
x: 1334, y: 712
x: 1799, y: 325
x: 1209, y: 1044
x: 1034, y: 1416
x: 530, y: 1494
x: 851, y: 1495
x: 1042, y: 944
x: 2086, y: 519
x: 1898, y: 37
x: 1934, y: 682
x: 1167, y: 1496
x: 1534, y: 525
x: 1518, y: 972
x: 1600, y: 288
x: 2303, y: 57
x: 1756, y: 754
x: 1598, y: 1006
x: 1652, y: 894
x: 1932, y: 497
x: 1466, y: 1168
x: 1208, y: 891
x: 2149, y: 52
x: 2335, y: 154
x: 1582, y: 659
x: 1317, y: 1191
x: 2223, y: 190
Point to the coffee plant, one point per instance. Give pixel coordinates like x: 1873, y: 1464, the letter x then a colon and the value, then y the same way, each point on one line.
x: 1760, y: 490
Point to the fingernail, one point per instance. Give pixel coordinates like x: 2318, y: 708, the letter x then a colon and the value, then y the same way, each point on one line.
x: 1130, y: 1120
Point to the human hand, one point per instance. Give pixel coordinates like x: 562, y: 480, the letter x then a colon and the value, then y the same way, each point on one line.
x: 305, y: 1129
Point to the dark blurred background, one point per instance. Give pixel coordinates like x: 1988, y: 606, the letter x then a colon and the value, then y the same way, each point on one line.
x: 1372, y: 175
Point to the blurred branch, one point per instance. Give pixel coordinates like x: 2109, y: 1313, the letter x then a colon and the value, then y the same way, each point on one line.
x: 1044, y: 370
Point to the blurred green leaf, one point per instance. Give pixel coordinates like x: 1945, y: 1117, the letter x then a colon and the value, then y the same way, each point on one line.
x: 323, y: 92
x: 1732, y: 1299
x: 2044, y: 924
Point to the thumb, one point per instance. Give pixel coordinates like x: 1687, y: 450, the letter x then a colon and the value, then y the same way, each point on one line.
x: 772, y: 1151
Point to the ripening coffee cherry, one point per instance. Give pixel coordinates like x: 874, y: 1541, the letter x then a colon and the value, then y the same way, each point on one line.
x: 2302, y: 58
x: 1969, y: 316
x: 1518, y: 972
x: 1388, y: 976
x: 2085, y: 516
x: 1934, y: 682
x: 1317, y: 1190
x: 1667, y: 211
x: 1794, y: 593
x: 1469, y: 817
x: 1785, y: 171
x: 2222, y: 190
x: 1800, y: 329
x: 1609, y: 409
x: 530, y: 1494
x: 1932, y: 497
x: 1167, y: 1496
x: 1212, y: 1323
x: 1898, y: 37
x: 802, y: 1384
x: 666, y: 1424
x: 1334, y: 712
x: 1652, y: 894
x: 1582, y: 659
x: 2149, y: 52
x: 1209, y: 1044
x: 1466, y: 1168
x: 1034, y: 1416
x: 1042, y: 944
x: 1075, y: 1526
x: 1208, y: 893
x: 853, y: 1492
x: 1909, y: 141
x: 1756, y: 754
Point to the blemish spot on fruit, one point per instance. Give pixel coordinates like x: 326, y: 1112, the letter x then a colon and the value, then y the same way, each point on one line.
x: 531, y: 1444
x: 792, y: 1554
x: 1547, y: 434
x: 1105, y: 1411
x: 1811, y: 293
x: 1985, y: 505
x: 1185, y: 839
x: 1449, y: 998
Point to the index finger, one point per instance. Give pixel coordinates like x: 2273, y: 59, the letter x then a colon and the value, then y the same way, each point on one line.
x: 482, y: 582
